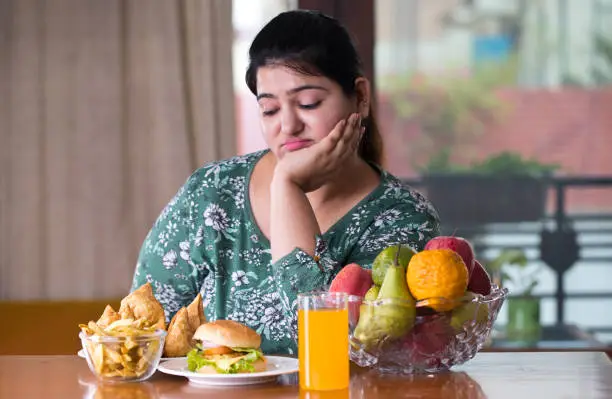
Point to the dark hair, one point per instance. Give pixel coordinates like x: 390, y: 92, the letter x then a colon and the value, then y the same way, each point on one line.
x: 315, y: 44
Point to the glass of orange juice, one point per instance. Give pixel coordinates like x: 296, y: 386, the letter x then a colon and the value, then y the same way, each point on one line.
x: 323, y: 346
x: 335, y: 394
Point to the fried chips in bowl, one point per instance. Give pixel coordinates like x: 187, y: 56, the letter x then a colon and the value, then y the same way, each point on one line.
x: 125, y: 350
x: 127, y: 345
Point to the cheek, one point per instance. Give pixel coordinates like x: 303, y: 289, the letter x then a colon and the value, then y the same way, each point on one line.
x: 268, y: 129
x: 324, y: 122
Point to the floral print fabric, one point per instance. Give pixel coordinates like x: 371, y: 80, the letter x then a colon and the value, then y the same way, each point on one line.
x: 206, y: 240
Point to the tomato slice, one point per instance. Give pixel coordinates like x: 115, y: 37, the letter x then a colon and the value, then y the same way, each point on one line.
x: 219, y: 350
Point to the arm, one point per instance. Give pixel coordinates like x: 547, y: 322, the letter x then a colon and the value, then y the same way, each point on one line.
x: 294, y: 235
x: 170, y: 258
x: 292, y: 221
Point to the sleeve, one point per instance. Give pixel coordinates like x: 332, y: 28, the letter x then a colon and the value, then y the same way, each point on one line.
x: 300, y: 272
x: 169, y: 258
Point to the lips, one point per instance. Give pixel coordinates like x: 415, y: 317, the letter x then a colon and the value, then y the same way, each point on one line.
x: 295, y: 145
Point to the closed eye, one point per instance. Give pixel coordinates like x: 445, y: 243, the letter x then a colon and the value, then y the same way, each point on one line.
x: 310, y: 106
x: 269, y: 112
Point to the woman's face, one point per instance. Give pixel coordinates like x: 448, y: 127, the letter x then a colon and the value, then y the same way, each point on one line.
x: 296, y: 110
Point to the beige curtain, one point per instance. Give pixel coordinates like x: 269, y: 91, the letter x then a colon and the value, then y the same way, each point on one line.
x: 106, y: 107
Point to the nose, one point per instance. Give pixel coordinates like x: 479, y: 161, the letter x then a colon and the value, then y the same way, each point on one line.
x: 291, y: 124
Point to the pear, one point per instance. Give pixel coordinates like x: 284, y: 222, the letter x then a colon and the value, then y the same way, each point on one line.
x: 398, y: 310
x: 368, y: 331
x: 395, y: 254
x: 392, y: 314
x: 372, y: 293
x: 470, y: 312
x: 394, y: 284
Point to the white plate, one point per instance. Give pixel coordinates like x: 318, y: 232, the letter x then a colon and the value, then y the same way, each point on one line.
x: 81, y: 353
x: 276, y: 366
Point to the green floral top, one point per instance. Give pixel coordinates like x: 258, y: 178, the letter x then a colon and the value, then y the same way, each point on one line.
x: 206, y: 240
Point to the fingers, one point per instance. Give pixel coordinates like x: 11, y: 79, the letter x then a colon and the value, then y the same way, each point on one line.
x: 350, y: 138
x: 334, y: 137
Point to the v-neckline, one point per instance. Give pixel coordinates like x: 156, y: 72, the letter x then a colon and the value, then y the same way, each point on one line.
x: 251, y: 216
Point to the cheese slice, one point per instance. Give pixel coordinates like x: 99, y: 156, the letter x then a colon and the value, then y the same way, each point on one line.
x: 224, y: 362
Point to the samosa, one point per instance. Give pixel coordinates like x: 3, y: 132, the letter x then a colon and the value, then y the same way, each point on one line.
x: 195, y: 313
x: 141, y: 303
x: 108, y: 317
x: 180, y: 335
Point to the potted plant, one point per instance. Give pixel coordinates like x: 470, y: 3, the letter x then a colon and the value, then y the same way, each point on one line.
x: 511, y: 268
x: 502, y: 188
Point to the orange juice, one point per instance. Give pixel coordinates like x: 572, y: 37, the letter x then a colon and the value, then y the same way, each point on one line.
x: 323, y: 349
x: 335, y: 394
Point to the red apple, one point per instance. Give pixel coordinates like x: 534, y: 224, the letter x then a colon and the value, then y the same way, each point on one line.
x: 353, y: 280
x: 479, y: 282
x: 457, y: 244
x: 429, y: 339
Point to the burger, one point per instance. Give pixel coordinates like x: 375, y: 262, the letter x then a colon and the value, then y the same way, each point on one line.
x: 226, y: 347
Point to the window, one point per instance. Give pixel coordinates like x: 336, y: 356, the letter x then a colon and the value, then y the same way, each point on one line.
x: 459, y: 82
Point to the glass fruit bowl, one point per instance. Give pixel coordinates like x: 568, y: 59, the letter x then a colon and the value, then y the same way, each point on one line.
x: 123, y: 358
x: 403, y: 337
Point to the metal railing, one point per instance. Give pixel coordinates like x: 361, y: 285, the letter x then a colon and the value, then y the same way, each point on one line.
x: 559, y: 246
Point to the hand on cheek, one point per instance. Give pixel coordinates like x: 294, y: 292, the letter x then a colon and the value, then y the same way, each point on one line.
x: 311, y: 167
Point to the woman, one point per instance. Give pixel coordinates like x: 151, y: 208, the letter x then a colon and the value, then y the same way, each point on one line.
x: 253, y: 231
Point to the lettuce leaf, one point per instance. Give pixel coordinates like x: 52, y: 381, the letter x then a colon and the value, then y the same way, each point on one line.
x: 246, y: 363
x: 195, y: 360
x: 225, y: 364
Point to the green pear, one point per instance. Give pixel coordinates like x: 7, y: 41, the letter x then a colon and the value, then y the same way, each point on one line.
x: 386, y: 319
x: 398, y: 311
x: 372, y: 293
x: 394, y: 284
x: 392, y: 314
x: 395, y: 254
x: 478, y: 312
x: 366, y: 331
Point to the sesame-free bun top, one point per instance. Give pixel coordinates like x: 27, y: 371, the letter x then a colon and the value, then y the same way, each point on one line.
x: 228, y: 333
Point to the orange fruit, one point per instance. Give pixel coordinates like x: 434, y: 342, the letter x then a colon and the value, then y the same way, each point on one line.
x: 439, y: 276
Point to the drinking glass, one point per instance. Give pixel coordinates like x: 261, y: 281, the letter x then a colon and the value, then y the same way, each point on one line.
x: 323, y: 346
